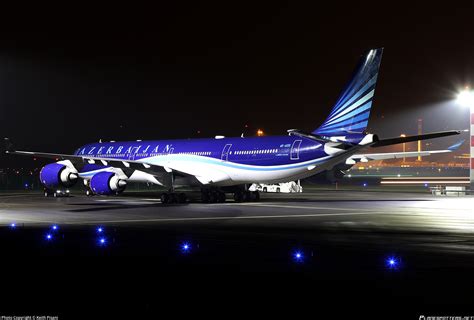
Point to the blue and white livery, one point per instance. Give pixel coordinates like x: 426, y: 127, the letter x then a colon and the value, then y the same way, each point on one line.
x: 230, y: 164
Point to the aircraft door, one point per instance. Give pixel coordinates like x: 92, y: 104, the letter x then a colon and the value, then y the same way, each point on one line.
x: 295, y: 150
x: 225, y: 152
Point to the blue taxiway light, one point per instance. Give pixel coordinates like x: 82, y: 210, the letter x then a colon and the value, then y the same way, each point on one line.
x: 100, y: 229
x: 12, y: 225
x: 54, y: 227
x: 365, y: 184
x: 102, y: 241
x: 392, y: 262
x: 49, y: 236
x: 185, y: 247
x: 298, y: 256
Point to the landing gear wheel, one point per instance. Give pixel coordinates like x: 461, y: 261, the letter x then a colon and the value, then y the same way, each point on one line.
x: 247, y: 196
x: 165, y: 198
x: 256, y: 196
x: 46, y: 193
x: 221, y: 197
x: 238, y: 196
x: 213, y: 197
x: 181, y: 198
x: 205, y: 196
x: 89, y: 193
x: 173, y: 198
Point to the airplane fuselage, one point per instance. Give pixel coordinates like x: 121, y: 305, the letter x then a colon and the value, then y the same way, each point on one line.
x: 225, y: 161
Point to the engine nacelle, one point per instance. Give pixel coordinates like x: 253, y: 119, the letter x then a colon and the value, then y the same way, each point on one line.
x: 107, y: 183
x: 54, y: 175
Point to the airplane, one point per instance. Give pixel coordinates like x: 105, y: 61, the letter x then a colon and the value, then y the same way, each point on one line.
x: 223, y: 165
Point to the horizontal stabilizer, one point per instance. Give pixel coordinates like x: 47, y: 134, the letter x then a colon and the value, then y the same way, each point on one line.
x: 399, y: 155
x: 388, y: 142
x: 456, y: 146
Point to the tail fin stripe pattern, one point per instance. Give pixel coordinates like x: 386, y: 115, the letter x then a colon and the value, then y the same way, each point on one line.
x: 362, y: 116
x: 364, y: 108
x: 352, y: 121
x: 344, y: 103
x: 352, y: 109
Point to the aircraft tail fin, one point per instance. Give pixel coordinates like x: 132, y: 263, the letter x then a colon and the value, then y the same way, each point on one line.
x: 350, y: 114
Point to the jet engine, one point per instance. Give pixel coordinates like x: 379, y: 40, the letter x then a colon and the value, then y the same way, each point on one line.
x: 107, y: 183
x: 54, y: 175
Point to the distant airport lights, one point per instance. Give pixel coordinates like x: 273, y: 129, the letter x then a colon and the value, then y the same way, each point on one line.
x: 404, y: 145
x: 466, y: 97
x: 260, y: 133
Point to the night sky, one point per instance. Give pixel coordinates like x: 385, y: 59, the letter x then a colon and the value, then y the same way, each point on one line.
x: 171, y: 71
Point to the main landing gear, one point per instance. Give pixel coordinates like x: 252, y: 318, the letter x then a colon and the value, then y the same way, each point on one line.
x: 173, y: 197
x: 56, y: 193
x: 218, y: 196
x: 246, y: 196
x: 212, y: 196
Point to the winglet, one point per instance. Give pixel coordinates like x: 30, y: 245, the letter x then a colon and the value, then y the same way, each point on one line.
x: 8, y: 145
x: 456, y: 146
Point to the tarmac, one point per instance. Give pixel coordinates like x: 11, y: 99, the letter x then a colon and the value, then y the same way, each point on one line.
x: 417, y: 248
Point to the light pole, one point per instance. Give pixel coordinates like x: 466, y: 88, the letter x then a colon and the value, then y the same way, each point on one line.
x: 404, y: 149
x: 420, y: 132
x: 466, y: 98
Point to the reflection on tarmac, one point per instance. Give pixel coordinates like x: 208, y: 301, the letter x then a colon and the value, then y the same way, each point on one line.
x: 348, y: 210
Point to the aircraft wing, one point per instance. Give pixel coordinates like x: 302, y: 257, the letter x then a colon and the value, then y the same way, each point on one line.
x: 397, y: 155
x: 128, y: 166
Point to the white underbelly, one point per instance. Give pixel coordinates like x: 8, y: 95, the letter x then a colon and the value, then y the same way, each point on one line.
x: 222, y: 173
